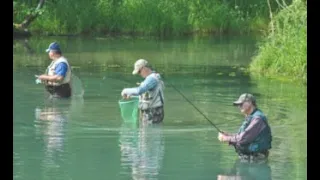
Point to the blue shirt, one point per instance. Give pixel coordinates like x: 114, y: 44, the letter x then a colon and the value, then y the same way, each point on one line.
x: 61, y: 69
x: 149, y: 83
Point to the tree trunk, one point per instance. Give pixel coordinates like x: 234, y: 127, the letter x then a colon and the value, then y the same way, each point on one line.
x: 271, y: 17
x: 33, y: 15
x: 21, y: 29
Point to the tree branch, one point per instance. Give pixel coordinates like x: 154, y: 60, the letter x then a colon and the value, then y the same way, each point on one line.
x: 31, y: 17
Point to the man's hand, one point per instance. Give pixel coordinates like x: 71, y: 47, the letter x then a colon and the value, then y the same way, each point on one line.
x: 222, y: 137
x: 42, y: 77
x: 124, y: 94
x: 126, y: 97
x: 38, y: 81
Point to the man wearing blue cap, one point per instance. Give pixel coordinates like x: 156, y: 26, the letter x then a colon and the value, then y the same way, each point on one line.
x: 57, y: 78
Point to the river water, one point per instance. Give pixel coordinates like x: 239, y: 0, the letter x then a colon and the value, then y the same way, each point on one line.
x: 86, y: 137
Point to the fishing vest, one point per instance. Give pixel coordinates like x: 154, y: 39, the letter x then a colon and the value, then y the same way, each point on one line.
x: 51, y: 71
x: 152, y: 98
x: 262, y: 142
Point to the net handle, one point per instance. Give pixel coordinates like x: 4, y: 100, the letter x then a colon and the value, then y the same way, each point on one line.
x: 134, y: 98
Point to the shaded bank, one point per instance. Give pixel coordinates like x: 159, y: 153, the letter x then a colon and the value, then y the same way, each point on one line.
x: 108, y: 54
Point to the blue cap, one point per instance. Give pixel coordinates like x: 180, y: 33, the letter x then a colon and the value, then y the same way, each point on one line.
x: 53, y: 46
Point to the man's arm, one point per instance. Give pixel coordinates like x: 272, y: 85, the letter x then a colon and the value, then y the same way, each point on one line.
x: 149, y: 83
x: 251, y: 132
x: 60, y: 73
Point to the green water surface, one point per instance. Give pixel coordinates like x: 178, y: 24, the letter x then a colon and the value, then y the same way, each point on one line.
x: 86, y: 139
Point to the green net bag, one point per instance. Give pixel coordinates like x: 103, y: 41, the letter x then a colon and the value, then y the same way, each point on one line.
x: 129, y: 108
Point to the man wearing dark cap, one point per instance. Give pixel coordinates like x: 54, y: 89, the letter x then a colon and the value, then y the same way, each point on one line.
x: 253, y: 140
x: 57, y: 78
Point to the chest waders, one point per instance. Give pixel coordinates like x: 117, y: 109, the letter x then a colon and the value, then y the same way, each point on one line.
x: 262, y: 143
x: 59, y: 89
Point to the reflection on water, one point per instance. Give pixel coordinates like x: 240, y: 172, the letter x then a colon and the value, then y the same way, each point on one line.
x: 50, y: 123
x: 247, y: 171
x: 25, y: 44
x: 142, y: 150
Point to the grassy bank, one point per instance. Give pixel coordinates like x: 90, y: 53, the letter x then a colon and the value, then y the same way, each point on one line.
x: 284, y: 52
x: 146, y: 17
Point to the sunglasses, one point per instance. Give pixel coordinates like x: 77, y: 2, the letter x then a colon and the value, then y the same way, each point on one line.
x: 140, y: 70
x: 240, y: 105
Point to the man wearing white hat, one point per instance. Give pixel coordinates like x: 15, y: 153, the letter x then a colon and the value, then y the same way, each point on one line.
x: 151, y: 100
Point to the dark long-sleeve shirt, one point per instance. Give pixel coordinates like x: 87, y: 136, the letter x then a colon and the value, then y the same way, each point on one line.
x: 252, y: 131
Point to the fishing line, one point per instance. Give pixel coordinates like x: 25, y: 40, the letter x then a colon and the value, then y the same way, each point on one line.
x: 191, y: 103
x: 194, y: 107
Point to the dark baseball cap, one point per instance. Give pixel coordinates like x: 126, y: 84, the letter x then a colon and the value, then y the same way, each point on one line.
x: 245, y: 97
x: 53, y: 46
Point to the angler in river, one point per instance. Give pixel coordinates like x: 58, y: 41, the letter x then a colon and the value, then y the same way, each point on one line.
x: 151, y: 94
x: 253, y: 140
x: 57, y: 79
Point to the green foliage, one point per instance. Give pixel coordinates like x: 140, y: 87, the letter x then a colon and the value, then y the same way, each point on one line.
x: 147, y: 17
x: 284, y: 51
x: 20, y: 10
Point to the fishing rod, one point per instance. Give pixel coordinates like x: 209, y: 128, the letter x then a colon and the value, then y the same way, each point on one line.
x: 195, y: 107
x: 191, y: 103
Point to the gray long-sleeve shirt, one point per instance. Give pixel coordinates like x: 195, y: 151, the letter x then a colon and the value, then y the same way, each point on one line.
x: 251, y: 132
